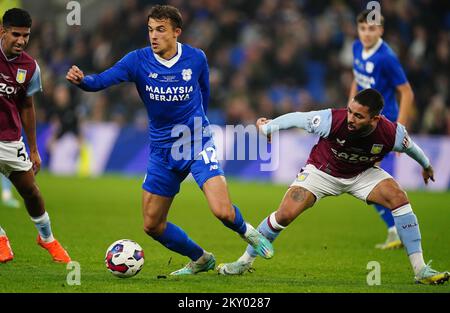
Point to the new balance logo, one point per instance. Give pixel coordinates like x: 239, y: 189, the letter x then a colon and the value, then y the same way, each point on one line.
x: 213, y: 167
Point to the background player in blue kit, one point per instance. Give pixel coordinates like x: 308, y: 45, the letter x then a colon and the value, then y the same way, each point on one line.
x: 376, y: 66
x: 7, y: 196
x: 172, y: 80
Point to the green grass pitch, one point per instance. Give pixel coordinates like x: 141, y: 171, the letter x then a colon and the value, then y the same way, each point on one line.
x: 326, y: 249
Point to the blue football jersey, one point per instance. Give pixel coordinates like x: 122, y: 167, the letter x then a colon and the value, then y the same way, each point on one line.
x: 175, y: 91
x: 381, y: 70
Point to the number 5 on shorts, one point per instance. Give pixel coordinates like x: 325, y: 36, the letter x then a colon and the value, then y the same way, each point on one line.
x: 21, y: 154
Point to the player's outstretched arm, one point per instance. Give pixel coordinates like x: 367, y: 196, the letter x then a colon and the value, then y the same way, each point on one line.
x: 316, y: 122
x: 403, y: 143
x: 122, y: 71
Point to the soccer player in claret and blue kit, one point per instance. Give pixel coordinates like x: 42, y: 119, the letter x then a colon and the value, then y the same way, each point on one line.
x: 20, y: 78
x: 172, y: 80
x: 351, y: 141
x: 375, y: 65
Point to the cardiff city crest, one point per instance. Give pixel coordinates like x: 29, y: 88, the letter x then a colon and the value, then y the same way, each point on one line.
x: 187, y: 74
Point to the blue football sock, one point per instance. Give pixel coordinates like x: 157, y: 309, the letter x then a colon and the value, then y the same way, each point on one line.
x: 238, y: 225
x: 175, y: 239
x: 270, y: 229
x: 387, y: 164
x: 386, y: 215
x: 409, y: 232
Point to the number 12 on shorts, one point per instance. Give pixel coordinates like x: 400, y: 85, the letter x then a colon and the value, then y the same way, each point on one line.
x: 212, y: 158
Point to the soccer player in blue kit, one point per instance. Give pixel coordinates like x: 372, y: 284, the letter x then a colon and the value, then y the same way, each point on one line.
x: 7, y: 196
x: 172, y: 80
x: 376, y: 66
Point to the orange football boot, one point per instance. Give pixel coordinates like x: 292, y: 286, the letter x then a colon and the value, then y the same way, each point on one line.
x: 6, y: 253
x: 55, y: 249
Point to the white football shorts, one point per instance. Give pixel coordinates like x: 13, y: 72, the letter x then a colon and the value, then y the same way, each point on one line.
x: 13, y: 157
x: 321, y: 184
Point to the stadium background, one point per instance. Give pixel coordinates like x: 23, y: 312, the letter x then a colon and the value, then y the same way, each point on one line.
x: 266, y: 58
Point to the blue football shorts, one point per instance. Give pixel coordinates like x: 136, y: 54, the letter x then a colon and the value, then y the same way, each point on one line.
x: 165, y: 174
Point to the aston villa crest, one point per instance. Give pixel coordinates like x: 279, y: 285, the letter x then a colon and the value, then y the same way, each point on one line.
x: 302, y: 176
x: 376, y: 149
x: 21, y: 76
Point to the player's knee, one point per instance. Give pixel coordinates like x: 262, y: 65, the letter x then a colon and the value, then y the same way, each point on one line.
x: 285, y: 216
x: 154, y: 229
x: 225, y: 213
x: 398, y: 197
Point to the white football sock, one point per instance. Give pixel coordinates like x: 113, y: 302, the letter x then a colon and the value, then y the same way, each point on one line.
x: 247, y: 258
x: 42, y: 224
x: 203, y: 259
x: 417, y: 262
x: 392, y: 230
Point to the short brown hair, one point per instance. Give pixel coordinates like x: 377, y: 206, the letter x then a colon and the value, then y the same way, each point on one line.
x: 362, y: 17
x: 372, y: 99
x: 163, y: 12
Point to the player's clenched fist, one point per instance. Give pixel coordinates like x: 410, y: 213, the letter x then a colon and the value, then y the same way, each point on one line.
x: 428, y: 173
x: 75, y: 75
x: 260, y: 122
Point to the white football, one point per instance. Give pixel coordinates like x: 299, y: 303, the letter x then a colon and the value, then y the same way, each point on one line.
x: 124, y: 258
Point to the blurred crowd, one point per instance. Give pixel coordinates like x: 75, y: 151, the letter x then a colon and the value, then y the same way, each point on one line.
x: 266, y: 58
